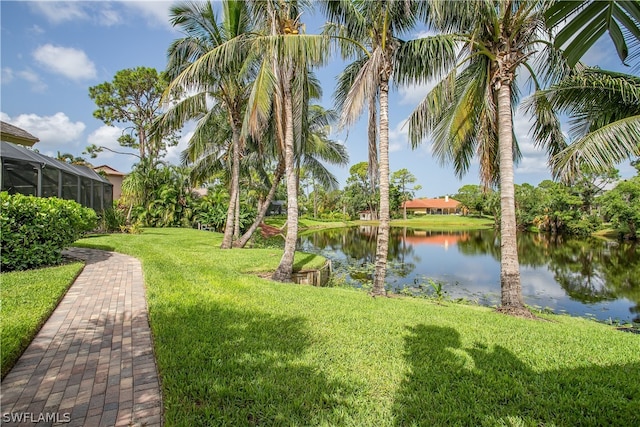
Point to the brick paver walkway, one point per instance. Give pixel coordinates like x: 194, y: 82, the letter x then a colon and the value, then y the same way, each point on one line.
x: 92, y: 363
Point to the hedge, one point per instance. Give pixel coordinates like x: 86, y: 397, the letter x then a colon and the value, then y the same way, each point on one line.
x: 35, y: 229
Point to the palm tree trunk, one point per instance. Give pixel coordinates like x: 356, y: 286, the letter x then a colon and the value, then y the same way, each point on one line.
x: 242, y: 241
x: 511, y: 301
x: 142, y: 142
x: 227, y: 239
x: 372, y: 163
x: 404, y: 202
x: 284, y: 270
x: 383, y: 230
x: 315, y: 199
x: 236, y: 222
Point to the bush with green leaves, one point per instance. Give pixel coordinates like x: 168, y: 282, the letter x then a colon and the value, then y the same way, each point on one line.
x: 112, y: 220
x: 35, y: 229
x: 621, y: 206
x: 212, y: 214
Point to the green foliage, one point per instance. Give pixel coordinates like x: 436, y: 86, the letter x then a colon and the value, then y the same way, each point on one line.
x: 401, y: 188
x: 160, y: 195
x: 473, y: 198
x: 131, y: 229
x: 358, y: 194
x: 555, y: 208
x: 212, y: 213
x: 28, y: 298
x: 213, y: 216
x: 35, y: 230
x: 111, y: 220
x: 622, y: 207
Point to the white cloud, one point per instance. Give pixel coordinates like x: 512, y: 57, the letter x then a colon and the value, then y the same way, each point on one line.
x: 32, y: 77
x: 69, y: 62
x: 58, y: 12
x: 36, y: 30
x: 174, y: 153
x: 7, y: 75
x: 532, y: 165
x: 155, y: 12
x: 53, y: 131
x: 108, y: 17
x: 107, y: 136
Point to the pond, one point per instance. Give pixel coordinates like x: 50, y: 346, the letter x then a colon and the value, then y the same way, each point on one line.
x: 581, y: 277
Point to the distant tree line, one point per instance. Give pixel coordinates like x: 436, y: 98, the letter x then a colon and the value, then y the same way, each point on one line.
x: 594, y: 201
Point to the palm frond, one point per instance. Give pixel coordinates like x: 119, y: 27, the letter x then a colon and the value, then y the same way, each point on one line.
x: 418, y: 61
x: 601, y: 149
x: 585, y: 22
x: 593, y: 98
x: 428, y: 113
x: 364, y: 87
x: 345, y: 80
x: 260, y: 104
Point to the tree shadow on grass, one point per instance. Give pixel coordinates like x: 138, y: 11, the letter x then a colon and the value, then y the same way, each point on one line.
x: 222, y: 366
x: 92, y: 245
x: 450, y: 385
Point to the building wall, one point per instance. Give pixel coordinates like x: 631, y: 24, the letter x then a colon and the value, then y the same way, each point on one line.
x: 116, y: 180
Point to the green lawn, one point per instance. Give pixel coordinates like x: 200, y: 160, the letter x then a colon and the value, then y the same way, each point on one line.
x: 28, y: 298
x: 434, y: 222
x: 235, y: 349
x: 430, y: 222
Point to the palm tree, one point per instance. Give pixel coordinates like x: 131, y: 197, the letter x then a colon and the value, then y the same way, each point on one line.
x: 369, y: 32
x: 281, y: 88
x: 470, y: 110
x: 604, y: 120
x: 226, y: 87
x: 139, y: 185
x: 71, y: 159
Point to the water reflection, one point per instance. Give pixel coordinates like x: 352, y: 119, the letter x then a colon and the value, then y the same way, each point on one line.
x: 585, y: 277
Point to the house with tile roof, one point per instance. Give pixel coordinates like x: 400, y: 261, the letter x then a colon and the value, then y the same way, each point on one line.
x: 444, y: 206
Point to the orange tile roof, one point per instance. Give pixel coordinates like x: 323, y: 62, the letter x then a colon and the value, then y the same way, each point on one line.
x: 432, y: 204
x: 109, y: 170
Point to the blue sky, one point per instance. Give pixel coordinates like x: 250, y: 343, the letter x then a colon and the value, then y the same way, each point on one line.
x: 52, y: 52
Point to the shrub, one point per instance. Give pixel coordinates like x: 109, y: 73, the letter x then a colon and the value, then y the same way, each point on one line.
x: 112, y: 220
x: 35, y: 229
